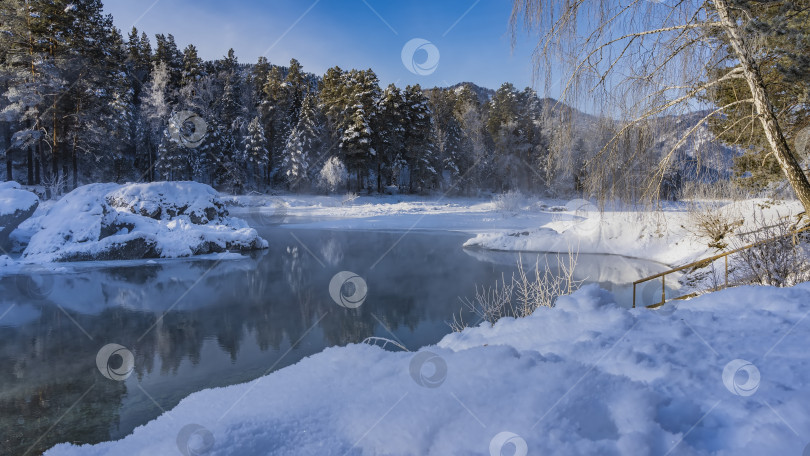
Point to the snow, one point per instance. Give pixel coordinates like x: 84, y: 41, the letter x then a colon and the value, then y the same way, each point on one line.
x: 165, y: 200
x: 173, y: 219
x: 528, y: 224
x: 725, y: 373
x: 666, y: 236
x: 13, y: 199
x: 585, y: 377
x: 523, y: 223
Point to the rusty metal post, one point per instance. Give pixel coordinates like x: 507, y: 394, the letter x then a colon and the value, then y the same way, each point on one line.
x: 634, y: 295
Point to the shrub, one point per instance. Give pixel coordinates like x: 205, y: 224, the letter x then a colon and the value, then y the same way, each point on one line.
x: 712, y: 223
x: 509, y: 202
x: 778, y: 258
x: 522, y: 294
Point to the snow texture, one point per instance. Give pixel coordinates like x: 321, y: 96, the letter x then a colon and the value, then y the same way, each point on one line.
x: 585, y: 377
x: 16, y: 206
x: 13, y: 199
x: 132, y: 221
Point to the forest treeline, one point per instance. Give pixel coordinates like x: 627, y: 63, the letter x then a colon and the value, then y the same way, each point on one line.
x: 81, y: 102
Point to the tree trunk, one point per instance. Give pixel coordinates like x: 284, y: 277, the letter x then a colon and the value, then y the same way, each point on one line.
x: 55, y: 148
x: 150, y: 176
x: 29, y: 161
x: 379, y: 177
x: 65, y: 173
x: 39, y: 163
x: 75, y: 164
x: 9, y: 162
x: 773, y: 132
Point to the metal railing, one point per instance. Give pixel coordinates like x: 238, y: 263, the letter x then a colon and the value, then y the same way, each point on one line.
x: 703, y: 263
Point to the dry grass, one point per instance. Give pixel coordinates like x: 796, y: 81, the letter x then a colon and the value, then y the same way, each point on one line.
x: 522, y: 294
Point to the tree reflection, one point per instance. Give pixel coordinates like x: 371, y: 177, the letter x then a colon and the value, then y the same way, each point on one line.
x: 166, y: 313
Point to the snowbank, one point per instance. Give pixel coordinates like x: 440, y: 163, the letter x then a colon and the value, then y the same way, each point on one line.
x: 585, y: 377
x: 134, y: 221
x: 395, y: 212
x: 668, y: 236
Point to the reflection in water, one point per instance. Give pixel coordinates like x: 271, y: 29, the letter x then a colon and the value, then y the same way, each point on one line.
x: 195, y: 324
x: 612, y: 272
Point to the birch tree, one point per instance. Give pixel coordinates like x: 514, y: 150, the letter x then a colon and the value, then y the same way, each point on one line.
x: 654, y: 59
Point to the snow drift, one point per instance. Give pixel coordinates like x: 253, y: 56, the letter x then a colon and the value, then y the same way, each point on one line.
x: 585, y: 377
x: 134, y: 221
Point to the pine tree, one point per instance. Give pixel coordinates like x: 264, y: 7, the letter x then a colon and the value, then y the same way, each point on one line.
x: 12, y: 44
x: 389, y: 136
x: 295, y: 85
x: 228, y: 123
x: 192, y: 65
x: 419, y: 152
x: 305, y: 145
x: 453, y: 159
x: 274, y: 114
x: 230, y: 103
x: 166, y: 52
x: 155, y: 109
x: 363, y: 92
x: 295, y: 164
x: 255, y: 151
x: 535, y: 156
x: 447, y: 136
x: 259, y: 74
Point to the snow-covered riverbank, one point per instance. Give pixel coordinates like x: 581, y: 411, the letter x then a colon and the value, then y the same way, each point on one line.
x: 585, y: 377
x: 725, y: 373
x: 532, y: 224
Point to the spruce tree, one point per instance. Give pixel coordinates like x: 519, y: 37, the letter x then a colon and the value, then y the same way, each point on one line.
x: 363, y: 92
x: 255, y: 150
x: 419, y: 153
x: 389, y: 136
x: 305, y: 145
x: 192, y: 65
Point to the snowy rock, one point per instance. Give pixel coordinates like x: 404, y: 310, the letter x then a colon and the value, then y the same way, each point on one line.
x: 16, y: 206
x: 135, y: 221
x: 167, y: 200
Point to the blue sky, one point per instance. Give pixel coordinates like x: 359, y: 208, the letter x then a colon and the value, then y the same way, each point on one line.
x: 471, y: 36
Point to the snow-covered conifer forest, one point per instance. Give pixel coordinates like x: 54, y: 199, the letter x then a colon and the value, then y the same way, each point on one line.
x: 404, y: 228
